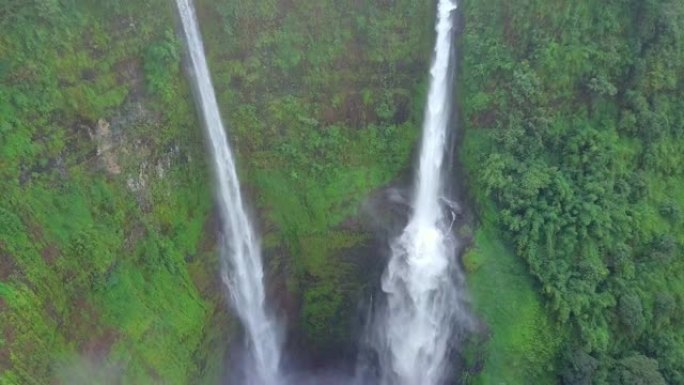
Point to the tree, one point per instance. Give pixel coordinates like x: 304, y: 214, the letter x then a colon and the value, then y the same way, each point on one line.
x: 579, y: 368
x: 637, y: 370
x: 631, y: 314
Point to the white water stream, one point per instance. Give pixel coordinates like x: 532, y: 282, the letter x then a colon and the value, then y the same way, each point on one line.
x: 242, y: 270
x: 412, y: 334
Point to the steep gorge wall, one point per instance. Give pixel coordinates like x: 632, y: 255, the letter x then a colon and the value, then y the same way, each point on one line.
x: 107, y: 260
x: 108, y: 265
x: 323, y: 101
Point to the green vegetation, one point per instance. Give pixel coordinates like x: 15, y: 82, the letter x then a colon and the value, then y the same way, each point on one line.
x: 104, y: 200
x: 524, y: 341
x: 573, y: 113
x: 323, y: 101
x: 108, y: 267
x: 573, y: 121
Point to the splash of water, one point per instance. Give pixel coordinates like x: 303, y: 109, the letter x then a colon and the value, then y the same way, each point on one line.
x: 242, y: 270
x: 421, y: 282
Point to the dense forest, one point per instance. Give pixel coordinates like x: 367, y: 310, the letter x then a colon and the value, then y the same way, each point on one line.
x: 570, y: 129
x: 574, y: 129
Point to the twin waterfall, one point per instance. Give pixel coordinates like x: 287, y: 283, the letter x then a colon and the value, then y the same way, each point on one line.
x: 241, y: 271
x: 412, y: 331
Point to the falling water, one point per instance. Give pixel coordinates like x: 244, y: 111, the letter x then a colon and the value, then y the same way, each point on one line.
x: 242, y: 270
x: 413, y: 331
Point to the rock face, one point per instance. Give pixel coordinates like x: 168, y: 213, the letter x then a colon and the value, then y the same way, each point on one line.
x: 106, y: 147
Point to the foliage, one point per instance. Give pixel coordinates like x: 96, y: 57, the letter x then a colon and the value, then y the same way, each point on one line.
x: 161, y: 66
x: 572, y: 113
x: 319, y: 100
x: 94, y: 282
x: 638, y: 370
x: 104, y: 204
x: 524, y: 341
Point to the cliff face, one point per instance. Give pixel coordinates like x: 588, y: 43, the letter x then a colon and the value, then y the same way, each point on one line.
x: 323, y: 102
x: 107, y: 269
x: 108, y: 264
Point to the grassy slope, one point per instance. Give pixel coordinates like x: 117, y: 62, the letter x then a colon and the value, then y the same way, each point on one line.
x: 524, y: 340
x: 98, y: 268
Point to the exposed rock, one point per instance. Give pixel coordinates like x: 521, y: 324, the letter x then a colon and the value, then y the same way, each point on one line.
x: 50, y: 253
x: 106, y: 144
x: 138, y: 184
x: 130, y: 72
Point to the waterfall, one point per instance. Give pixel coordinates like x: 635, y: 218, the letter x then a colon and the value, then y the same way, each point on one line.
x: 412, y: 332
x: 241, y: 267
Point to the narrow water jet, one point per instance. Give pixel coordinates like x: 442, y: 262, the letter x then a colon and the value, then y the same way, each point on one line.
x: 241, y: 265
x: 422, y: 284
